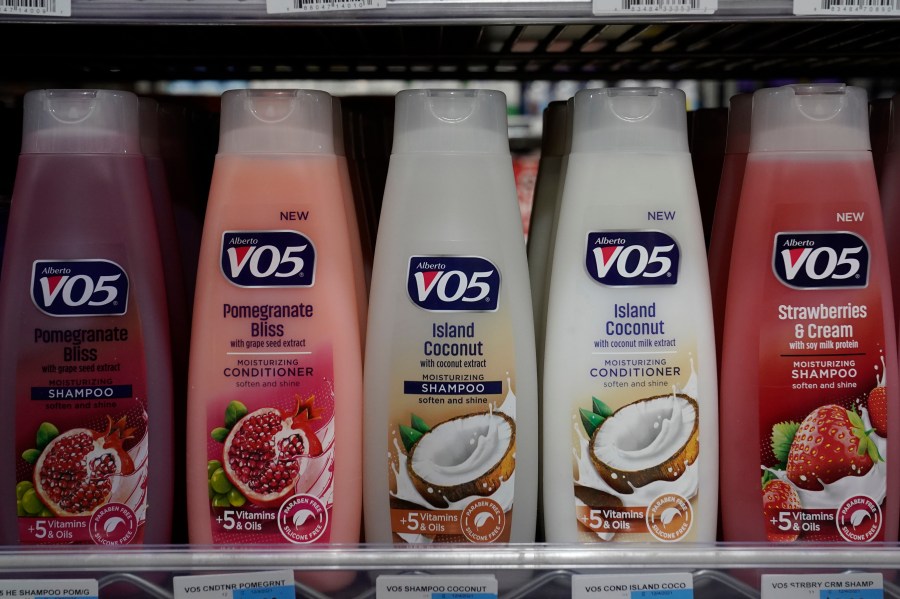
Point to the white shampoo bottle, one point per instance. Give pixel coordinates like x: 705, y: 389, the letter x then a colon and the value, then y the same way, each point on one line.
x: 450, y: 394
x: 630, y: 369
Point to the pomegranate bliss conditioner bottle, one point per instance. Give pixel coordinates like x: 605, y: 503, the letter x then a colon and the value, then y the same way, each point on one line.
x: 274, y: 405
x: 809, y: 364
x: 86, y: 375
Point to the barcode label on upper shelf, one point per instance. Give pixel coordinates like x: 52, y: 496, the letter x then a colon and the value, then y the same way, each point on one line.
x: 650, y: 7
x: 51, y: 8
x: 306, y: 6
x: 847, y: 7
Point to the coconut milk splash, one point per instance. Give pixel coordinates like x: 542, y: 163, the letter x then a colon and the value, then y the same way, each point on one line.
x: 587, y: 476
x: 406, y: 490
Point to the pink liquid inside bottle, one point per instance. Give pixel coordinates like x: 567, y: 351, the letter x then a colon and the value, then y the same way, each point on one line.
x: 86, y: 371
x: 722, y: 236
x: 809, y: 367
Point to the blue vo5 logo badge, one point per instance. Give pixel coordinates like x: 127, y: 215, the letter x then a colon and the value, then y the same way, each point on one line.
x: 817, y: 260
x: 79, y: 287
x: 453, y: 283
x: 630, y: 258
x: 268, y: 259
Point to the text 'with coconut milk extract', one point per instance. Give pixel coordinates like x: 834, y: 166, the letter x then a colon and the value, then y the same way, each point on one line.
x: 450, y: 389
x: 629, y: 382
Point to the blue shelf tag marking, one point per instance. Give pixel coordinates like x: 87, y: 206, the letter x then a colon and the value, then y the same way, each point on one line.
x: 851, y: 594
x: 666, y: 594
x: 283, y: 592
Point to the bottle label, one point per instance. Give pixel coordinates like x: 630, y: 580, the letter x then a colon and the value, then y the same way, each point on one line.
x: 635, y: 416
x: 81, y: 408
x: 822, y: 404
x: 452, y: 437
x: 270, y: 448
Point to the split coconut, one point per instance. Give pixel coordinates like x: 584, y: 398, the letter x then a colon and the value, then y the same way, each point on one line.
x: 462, y: 457
x: 649, y: 440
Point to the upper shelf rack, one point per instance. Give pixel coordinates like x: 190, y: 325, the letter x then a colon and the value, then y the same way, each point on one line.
x: 556, y: 48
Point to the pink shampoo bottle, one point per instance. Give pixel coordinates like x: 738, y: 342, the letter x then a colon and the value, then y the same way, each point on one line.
x: 86, y: 375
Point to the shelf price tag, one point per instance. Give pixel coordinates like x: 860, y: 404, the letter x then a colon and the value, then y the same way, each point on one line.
x: 660, y: 8
x: 36, y: 8
x: 248, y: 585
x: 823, y: 586
x: 45, y: 589
x: 276, y: 7
x: 858, y: 8
x: 678, y: 585
x: 436, y: 587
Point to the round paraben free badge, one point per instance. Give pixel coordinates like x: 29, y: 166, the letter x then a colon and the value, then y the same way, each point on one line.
x: 669, y: 517
x: 302, y: 519
x: 483, y: 521
x: 859, y: 519
x: 113, y: 524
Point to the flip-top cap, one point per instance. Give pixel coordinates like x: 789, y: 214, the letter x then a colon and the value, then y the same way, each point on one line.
x: 630, y: 119
x: 810, y: 117
x: 553, y: 138
x: 451, y: 120
x: 738, y: 140
x: 289, y: 121
x: 77, y: 121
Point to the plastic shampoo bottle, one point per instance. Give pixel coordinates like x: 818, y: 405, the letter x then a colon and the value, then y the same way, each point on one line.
x: 86, y: 373
x: 630, y: 420
x: 451, y: 424
x: 809, y: 366
x: 274, y: 405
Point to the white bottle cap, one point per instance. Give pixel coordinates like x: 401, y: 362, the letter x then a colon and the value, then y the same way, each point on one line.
x: 149, y: 127
x: 630, y: 119
x: 553, y: 139
x: 738, y: 140
x: 286, y: 121
x: 76, y: 121
x: 810, y: 117
x: 451, y: 120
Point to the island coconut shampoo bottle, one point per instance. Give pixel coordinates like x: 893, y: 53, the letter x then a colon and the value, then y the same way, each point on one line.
x: 451, y: 423
x: 274, y: 426
x: 630, y: 407
x: 809, y: 367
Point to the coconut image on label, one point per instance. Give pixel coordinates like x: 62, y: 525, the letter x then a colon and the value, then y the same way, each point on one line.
x: 462, y: 457
x: 649, y: 440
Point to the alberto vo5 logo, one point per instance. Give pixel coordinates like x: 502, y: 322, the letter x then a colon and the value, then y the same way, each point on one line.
x: 817, y: 260
x: 632, y: 258
x: 268, y: 259
x: 79, y: 287
x: 453, y: 283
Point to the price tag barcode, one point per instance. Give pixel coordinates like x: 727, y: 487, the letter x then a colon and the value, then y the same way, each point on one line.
x: 53, y: 8
x: 49, y: 589
x: 249, y: 585
x: 309, y: 6
x: 823, y: 586
x: 651, y: 7
x: 847, y: 7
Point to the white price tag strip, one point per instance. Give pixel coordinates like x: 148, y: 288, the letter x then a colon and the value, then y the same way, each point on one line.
x: 847, y: 7
x: 655, y: 7
x: 630, y: 586
x: 49, y: 589
x: 41, y: 8
x: 276, y: 7
x: 822, y: 586
x: 436, y: 587
x: 248, y: 585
